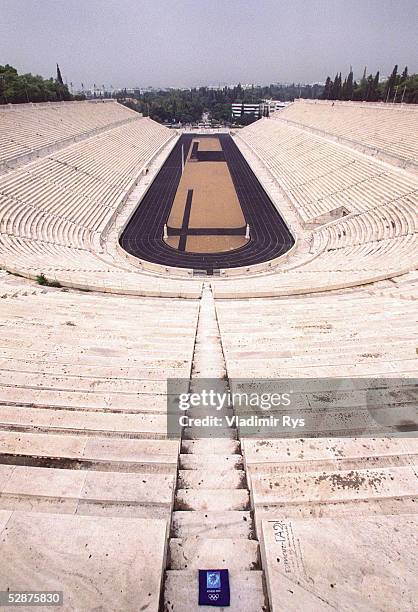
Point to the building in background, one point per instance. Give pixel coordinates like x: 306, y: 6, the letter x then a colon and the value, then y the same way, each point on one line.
x: 258, y: 109
x: 270, y: 106
x: 241, y: 108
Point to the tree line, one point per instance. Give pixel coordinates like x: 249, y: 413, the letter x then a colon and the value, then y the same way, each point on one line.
x: 188, y: 105
x: 397, y: 88
x: 19, y: 88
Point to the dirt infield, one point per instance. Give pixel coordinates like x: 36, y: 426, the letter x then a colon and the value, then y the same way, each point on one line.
x: 206, y: 198
x: 215, y: 202
x: 214, y: 244
x: 207, y: 143
x: 173, y: 241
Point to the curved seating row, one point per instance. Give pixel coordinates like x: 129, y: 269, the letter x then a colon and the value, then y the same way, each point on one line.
x: 27, y: 129
x: 321, y: 176
x: 333, y: 269
x: 80, y: 268
x: 386, y: 128
x: 53, y: 211
x: 84, y: 183
x: 363, y: 213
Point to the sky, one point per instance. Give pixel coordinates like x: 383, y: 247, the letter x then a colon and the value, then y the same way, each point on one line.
x: 184, y: 43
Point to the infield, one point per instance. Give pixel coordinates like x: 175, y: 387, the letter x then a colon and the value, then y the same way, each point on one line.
x: 205, y: 209
x: 206, y: 198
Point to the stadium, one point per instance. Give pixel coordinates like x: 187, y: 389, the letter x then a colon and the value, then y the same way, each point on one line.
x: 208, y: 313
x: 295, y: 257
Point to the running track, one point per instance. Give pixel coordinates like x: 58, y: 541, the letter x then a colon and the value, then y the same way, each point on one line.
x: 269, y: 235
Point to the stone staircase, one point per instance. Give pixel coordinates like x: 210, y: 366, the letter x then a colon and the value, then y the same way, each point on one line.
x: 212, y: 524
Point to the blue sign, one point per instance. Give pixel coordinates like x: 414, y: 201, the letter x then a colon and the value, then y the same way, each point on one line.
x: 214, y: 588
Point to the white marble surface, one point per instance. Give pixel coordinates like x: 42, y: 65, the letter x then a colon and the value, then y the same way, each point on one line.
x: 99, y: 563
x: 344, y: 564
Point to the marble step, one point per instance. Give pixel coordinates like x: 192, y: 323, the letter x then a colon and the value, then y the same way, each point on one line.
x: 229, y: 553
x: 247, y: 592
x: 86, y: 492
x: 73, y: 399
x: 337, y: 554
x: 209, y: 446
x: 82, y: 422
x: 217, y: 433
x: 89, y: 558
x: 210, y: 462
x: 334, y: 486
x: 214, y: 478
x: 213, y: 525
x: 215, y: 500
x: 82, y: 452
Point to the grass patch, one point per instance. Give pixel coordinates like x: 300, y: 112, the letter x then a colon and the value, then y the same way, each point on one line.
x: 41, y: 279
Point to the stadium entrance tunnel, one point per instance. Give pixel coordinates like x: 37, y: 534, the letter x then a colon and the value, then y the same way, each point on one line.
x: 206, y: 210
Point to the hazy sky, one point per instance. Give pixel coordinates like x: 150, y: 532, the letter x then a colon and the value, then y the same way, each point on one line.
x: 193, y: 42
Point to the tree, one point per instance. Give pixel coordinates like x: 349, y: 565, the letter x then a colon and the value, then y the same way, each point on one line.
x: 328, y: 89
x: 59, y: 77
x: 349, y: 89
x: 390, y: 84
x: 16, y: 89
x: 336, y: 88
x: 374, y: 88
x: 187, y: 106
x: 397, y: 88
x: 372, y: 91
